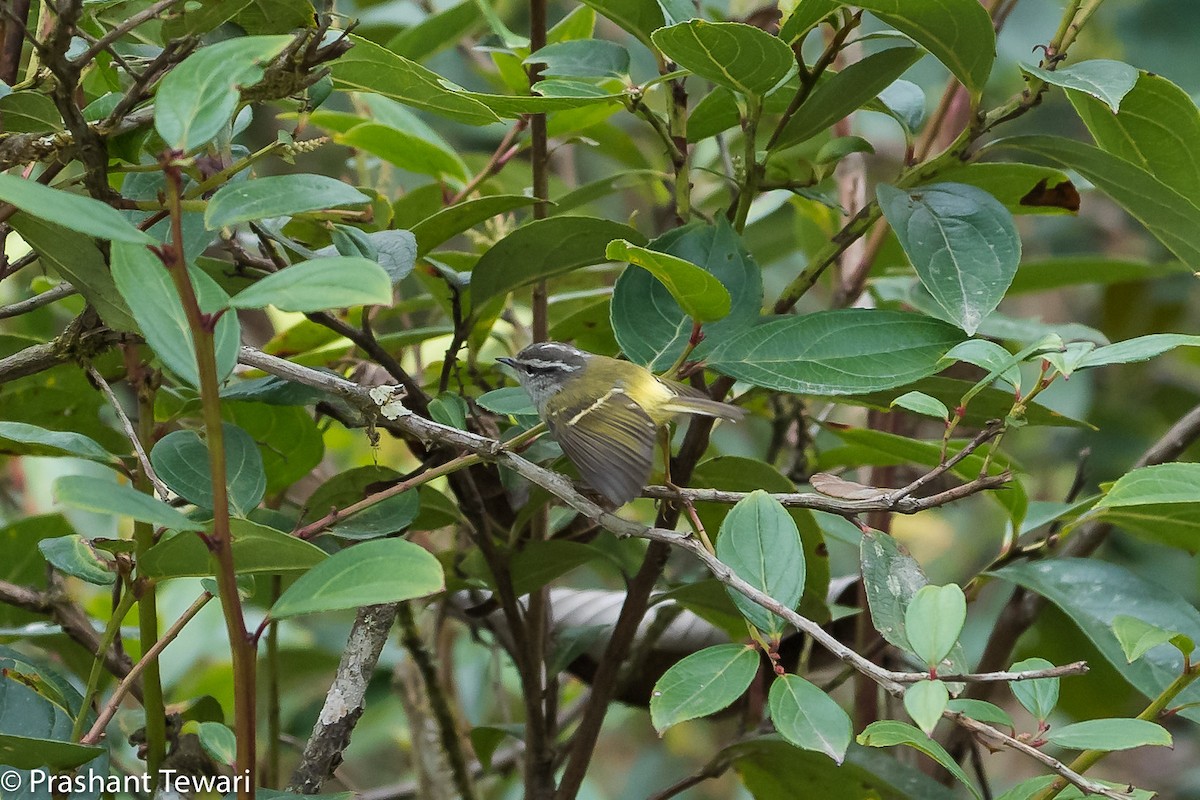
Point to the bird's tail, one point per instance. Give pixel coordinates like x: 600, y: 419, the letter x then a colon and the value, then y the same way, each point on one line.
x: 687, y: 404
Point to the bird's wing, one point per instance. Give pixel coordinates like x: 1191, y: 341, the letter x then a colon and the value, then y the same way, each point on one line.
x: 616, y: 458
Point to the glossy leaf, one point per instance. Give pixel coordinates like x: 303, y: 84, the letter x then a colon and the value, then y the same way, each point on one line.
x: 730, y: 54
x: 449, y: 222
x: 1141, y: 348
x: 836, y: 352
x: 701, y: 684
x: 319, y: 284
x: 19, y: 438
x: 1109, y: 734
x: 697, y: 291
x: 74, y: 555
x: 524, y: 256
x: 925, y: 701
x: 512, y: 400
x: 1093, y: 593
x: 582, y: 58
x: 1020, y: 188
x: 888, y: 733
x: 1160, y: 502
x: 1138, y: 637
x: 196, y: 100
x: 962, y: 242
x: 843, y: 93
x: 257, y: 549
x: 395, y: 251
x: 809, y: 718
x: 406, y: 150
x: 638, y: 17
x: 981, y: 711
x: 217, y: 740
x: 369, y: 573
x: 278, y: 196
x: 74, y: 211
x: 933, y: 621
x: 801, y: 16
x: 106, y: 497
x: 181, y: 461
x: 921, y: 403
x: 1106, y: 80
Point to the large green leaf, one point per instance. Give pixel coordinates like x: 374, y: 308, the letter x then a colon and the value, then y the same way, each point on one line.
x: 648, y: 322
x: 542, y: 249
x: 74, y: 211
x: 1093, y: 593
x: 74, y: 555
x: 888, y: 733
x: 836, y: 352
x: 1107, y: 81
x: 582, y: 58
x: 436, y: 31
x: 1160, y: 503
x: 20, y: 438
x: 759, y: 541
x: 962, y: 242
x: 1109, y: 734
x: 181, y: 461
x: 318, y: 284
x: 1156, y: 129
x: 77, y: 259
x: 405, y: 149
x: 256, y: 549
x: 1021, y: 188
x: 730, y: 54
x: 845, y: 91
x: 698, y: 293
x: 106, y: 497
x: 639, y: 17
x: 702, y: 684
x: 1172, y: 217
x: 449, y: 222
x: 369, y: 573
x: 196, y: 100
x: 278, y: 196
x: 349, y: 487
x: 147, y: 287
x: 809, y: 718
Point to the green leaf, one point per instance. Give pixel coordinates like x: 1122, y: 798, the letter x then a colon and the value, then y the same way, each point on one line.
x: 217, y: 740
x: 449, y: 409
x: 77, y: 259
x: 150, y: 293
x: 278, y: 196
x: 1140, y: 348
x: 903, y: 101
x: 925, y: 702
x: 1093, y: 593
x: 181, y: 461
x: 406, y: 150
x: 29, y: 112
x: 1170, y: 216
x: 962, y: 242
x: 1160, y: 502
x: 1021, y: 188
x: 511, y: 400
x: 346, y: 488
x: 921, y: 403
x: 989, y: 404
x: 801, y: 16
x: 981, y: 711
x: 523, y: 256
x: 449, y: 222
x: 809, y: 718
x: 257, y: 549
x: 1036, y: 787
x: 888, y: 733
x: 759, y: 541
x: 1155, y: 129
x: 74, y: 211
x: 730, y: 54
x: 289, y: 440
x: 1044, y: 275
x: 1109, y: 734
x: 582, y: 58
x: 436, y: 31
x: 698, y: 292
x: 29, y: 752
x: 319, y: 284
x: 1040, y: 695
x: 1106, y: 80
x: 933, y: 621
x: 638, y: 17
x: 196, y: 100
x: 74, y: 555
x: 846, y: 91
x: 648, y: 321
x: 19, y: 438
x: 836, y: 352
x: 702, y: 684
x: 1138, y: 638
x: 369, y: 573
x: 106, y: 497
x: 958, y: 33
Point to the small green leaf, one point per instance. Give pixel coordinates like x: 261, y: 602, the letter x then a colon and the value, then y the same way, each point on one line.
x: 809, y: 718
x: 511, y: 400
x: 319, y: 284
x: 697, y: 291
x: 1138, y: 638
x: 449, y: 222
x: 1106, y: 80
x: 1040, y: 695
x: 731, y: 54
x: 1141, y: 348
x: 981, y: 711
x: 181, y: 461
x: 106, y: 497
x: 449, y: 409
x: 702, y: 684
x: 760, y: 542
x: 389, y: 516
x: 217, y: 740
x: 582, y: 58
x: 19, y: 438
x: 925, y: 702
x: 406, y: 150
x: 196, y: 99
x: 278, y: 196
x: 921, y: 403
x: 961, y: 241
x: 369, y: 573
x: 73, y: 211
x: 888, y: 733
x: 257, y: 549
x: 74, y: 555
x: 1109, y: 734
x: 933, y: 621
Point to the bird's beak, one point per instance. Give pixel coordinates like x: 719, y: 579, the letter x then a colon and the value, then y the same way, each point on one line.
x: 512, y: 362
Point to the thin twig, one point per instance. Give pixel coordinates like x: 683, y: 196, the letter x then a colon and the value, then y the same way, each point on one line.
x: 47, y: 297
x: 130, y: 433
x: 146, y: 14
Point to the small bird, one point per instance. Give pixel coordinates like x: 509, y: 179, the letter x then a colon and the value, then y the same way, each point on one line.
x: 606, y: 413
